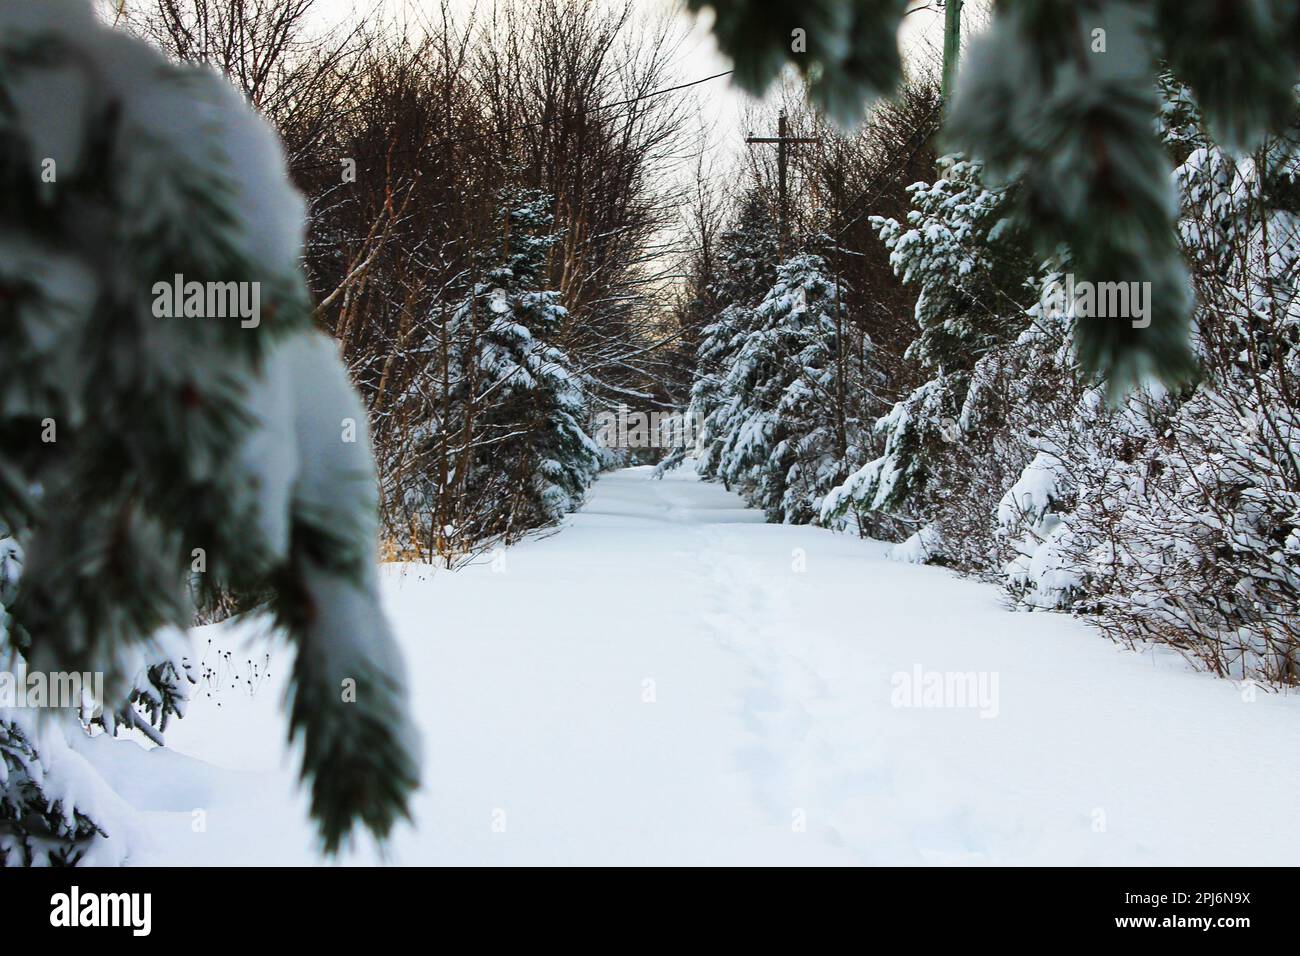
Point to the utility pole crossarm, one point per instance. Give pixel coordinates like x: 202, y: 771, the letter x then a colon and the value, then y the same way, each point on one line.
x: 783, y: 142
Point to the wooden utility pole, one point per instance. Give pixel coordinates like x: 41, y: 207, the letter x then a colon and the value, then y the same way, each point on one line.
x: 951, y: 44
x: 782, y: 141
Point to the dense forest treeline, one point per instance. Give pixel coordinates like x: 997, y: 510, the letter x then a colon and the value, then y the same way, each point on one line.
x: 511, y: 234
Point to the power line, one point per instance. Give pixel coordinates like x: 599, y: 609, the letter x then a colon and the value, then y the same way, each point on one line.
x: 454, y: 141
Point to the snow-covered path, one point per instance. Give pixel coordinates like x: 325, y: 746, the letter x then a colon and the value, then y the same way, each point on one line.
x: 669, y: 680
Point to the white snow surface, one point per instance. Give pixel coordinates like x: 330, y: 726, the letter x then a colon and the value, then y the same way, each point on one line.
x: 658, y: 683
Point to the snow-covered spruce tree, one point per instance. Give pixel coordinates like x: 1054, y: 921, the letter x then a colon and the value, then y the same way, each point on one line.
x: 517, y: 406
x: 148, y: 427
x: 968, y: 264
x: 720, y: 343
x: 778, y: 422
x: 748, y: 254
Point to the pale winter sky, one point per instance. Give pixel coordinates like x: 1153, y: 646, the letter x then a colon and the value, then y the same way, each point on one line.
x: 722, y: 106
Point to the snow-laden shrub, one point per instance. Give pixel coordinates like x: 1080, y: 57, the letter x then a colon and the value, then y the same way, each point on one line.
x: 921, y: 547
x: 1029, y: 515
x: 1183, y: 522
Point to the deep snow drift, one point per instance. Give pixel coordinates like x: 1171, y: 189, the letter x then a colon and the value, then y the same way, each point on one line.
x: 669, y: 680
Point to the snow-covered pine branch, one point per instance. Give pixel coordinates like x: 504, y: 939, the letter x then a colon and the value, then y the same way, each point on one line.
x: 143, y: 445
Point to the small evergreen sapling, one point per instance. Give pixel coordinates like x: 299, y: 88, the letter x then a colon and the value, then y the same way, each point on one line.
x: 518, y: 390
